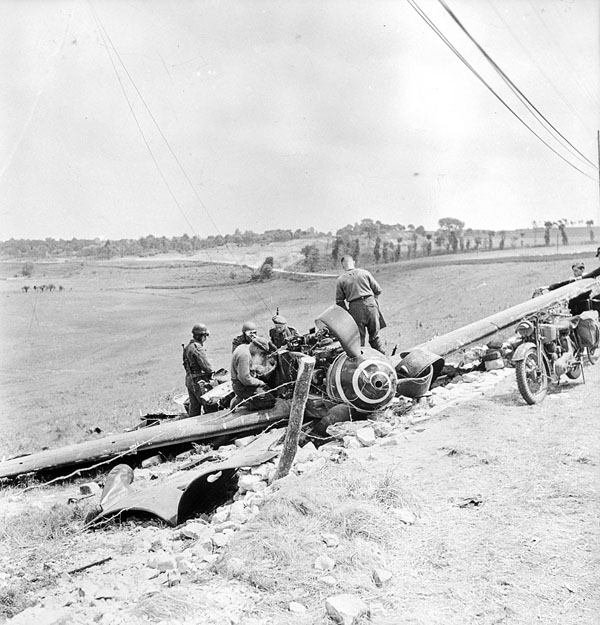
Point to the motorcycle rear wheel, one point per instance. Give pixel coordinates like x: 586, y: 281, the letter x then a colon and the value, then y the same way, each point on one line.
x: 532, y: 381
x: 593, y: 354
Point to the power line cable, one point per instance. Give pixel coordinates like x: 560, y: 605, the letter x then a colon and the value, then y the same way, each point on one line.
x: 511, y: 84
x: 575, y: 72
x: 438, y: 32
x: 547, y: 78
x: 106, y: 37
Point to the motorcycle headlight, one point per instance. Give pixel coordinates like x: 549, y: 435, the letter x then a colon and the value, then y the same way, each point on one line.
x: 525, y: 328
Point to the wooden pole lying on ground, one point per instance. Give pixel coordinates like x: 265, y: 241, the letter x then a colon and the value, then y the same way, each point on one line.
x: 202, y: 427
x: 292, y: 435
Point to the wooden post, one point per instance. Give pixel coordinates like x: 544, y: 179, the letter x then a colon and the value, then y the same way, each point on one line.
x: 292, y: 435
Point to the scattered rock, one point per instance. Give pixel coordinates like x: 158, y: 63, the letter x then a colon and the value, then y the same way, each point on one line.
x: 420, y: 419
x: 193, y: 530
x: 381, y: 576
x: 91, y: 488
x: 382, y: 428
x: 105, y: 592
x: 331, y: 540
x: 351, y: 442
x: 406, y: 516
x: 389, y: 441
x: 238, y: 512
x: 264, y: 471
x: 252, y: 483
x: 220, y: 540
x: 221, y: 515
x: 342, y: 429
x: 306, y: 453
x: 183, y: 564
x: 42, y: 616
x: 366, y: 436
x: 323, y: 563
x: 143, y: 474
x: 162, y: 561
x: 346, y: 609
x: 151, y: 462
x: 296, y: 607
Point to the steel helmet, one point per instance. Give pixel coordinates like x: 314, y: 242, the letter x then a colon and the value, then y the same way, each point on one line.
x: 249, y: 325
x: 200, y: 328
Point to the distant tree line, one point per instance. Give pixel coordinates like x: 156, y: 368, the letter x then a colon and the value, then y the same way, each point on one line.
x: 144, y: 246
x: 373, y: 242
x: 367, y: 241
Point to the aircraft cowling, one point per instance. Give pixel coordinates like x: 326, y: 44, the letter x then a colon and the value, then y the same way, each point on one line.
x: 367, y: 382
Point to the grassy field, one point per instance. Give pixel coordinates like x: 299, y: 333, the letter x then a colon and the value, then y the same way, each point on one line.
x: 108, y: 347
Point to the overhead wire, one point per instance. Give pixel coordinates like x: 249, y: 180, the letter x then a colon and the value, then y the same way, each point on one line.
x: 106, y: 40
x: 547, y: 78
x: 537, y: 113
x: 441, y: 35
x: 574, y: 73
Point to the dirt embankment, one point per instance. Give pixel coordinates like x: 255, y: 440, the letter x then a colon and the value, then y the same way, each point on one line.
x: 483, y: 510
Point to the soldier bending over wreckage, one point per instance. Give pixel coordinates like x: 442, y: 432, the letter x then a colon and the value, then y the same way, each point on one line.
x: 250, y: 367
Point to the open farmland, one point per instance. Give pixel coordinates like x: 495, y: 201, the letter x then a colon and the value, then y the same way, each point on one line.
x: 108, y: 347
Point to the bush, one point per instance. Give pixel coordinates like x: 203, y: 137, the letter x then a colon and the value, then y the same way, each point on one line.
x: 27, y: 269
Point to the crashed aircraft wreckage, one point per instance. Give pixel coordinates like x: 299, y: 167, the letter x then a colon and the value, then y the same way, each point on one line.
x: 345, y: 374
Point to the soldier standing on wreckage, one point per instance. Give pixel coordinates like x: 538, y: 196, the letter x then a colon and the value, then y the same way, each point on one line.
x: 360, y: 290
x: 198, y: 370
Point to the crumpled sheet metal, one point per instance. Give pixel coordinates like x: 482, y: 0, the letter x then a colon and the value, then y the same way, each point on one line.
x: 182, y: 495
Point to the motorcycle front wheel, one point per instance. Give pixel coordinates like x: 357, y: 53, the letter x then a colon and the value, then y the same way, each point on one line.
x: 593, y: 354
x: 532, y: 380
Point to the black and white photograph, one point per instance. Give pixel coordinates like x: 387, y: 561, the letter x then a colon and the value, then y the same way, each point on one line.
x: 299, y: 312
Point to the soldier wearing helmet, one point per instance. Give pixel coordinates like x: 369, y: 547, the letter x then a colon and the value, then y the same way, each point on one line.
x: 198, y: 370
x: 249, y: 331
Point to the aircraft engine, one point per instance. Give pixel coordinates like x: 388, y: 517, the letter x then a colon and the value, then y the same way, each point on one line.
x: 367, y: 382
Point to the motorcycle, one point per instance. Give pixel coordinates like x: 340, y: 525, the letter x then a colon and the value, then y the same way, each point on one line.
x: 550, y: 347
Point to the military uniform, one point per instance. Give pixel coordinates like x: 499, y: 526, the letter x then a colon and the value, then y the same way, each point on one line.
x: 360, y: 289
x: 240, y: 339
x: 246, y: 385
x: 280, y: 339
x: 198, y: 372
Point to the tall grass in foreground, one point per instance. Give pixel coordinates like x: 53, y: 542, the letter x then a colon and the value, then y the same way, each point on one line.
x: 35, y: 544
x: 277, y: 551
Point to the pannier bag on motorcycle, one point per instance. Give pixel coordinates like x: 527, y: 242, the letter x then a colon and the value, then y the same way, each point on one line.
x: 588, y: 329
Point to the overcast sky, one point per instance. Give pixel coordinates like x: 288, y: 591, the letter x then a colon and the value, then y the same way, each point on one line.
x: 290, y: 114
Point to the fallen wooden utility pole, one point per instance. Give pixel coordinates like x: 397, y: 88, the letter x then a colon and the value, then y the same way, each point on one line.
x: 292, y: 435
x: 128, y: 443
x: 485, y: 328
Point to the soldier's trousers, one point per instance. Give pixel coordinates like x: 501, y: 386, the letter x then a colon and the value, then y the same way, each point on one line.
x: 196, y: 388
x: 366, y: 314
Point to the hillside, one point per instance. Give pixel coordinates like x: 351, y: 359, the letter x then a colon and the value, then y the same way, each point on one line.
x: 480, y: 508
